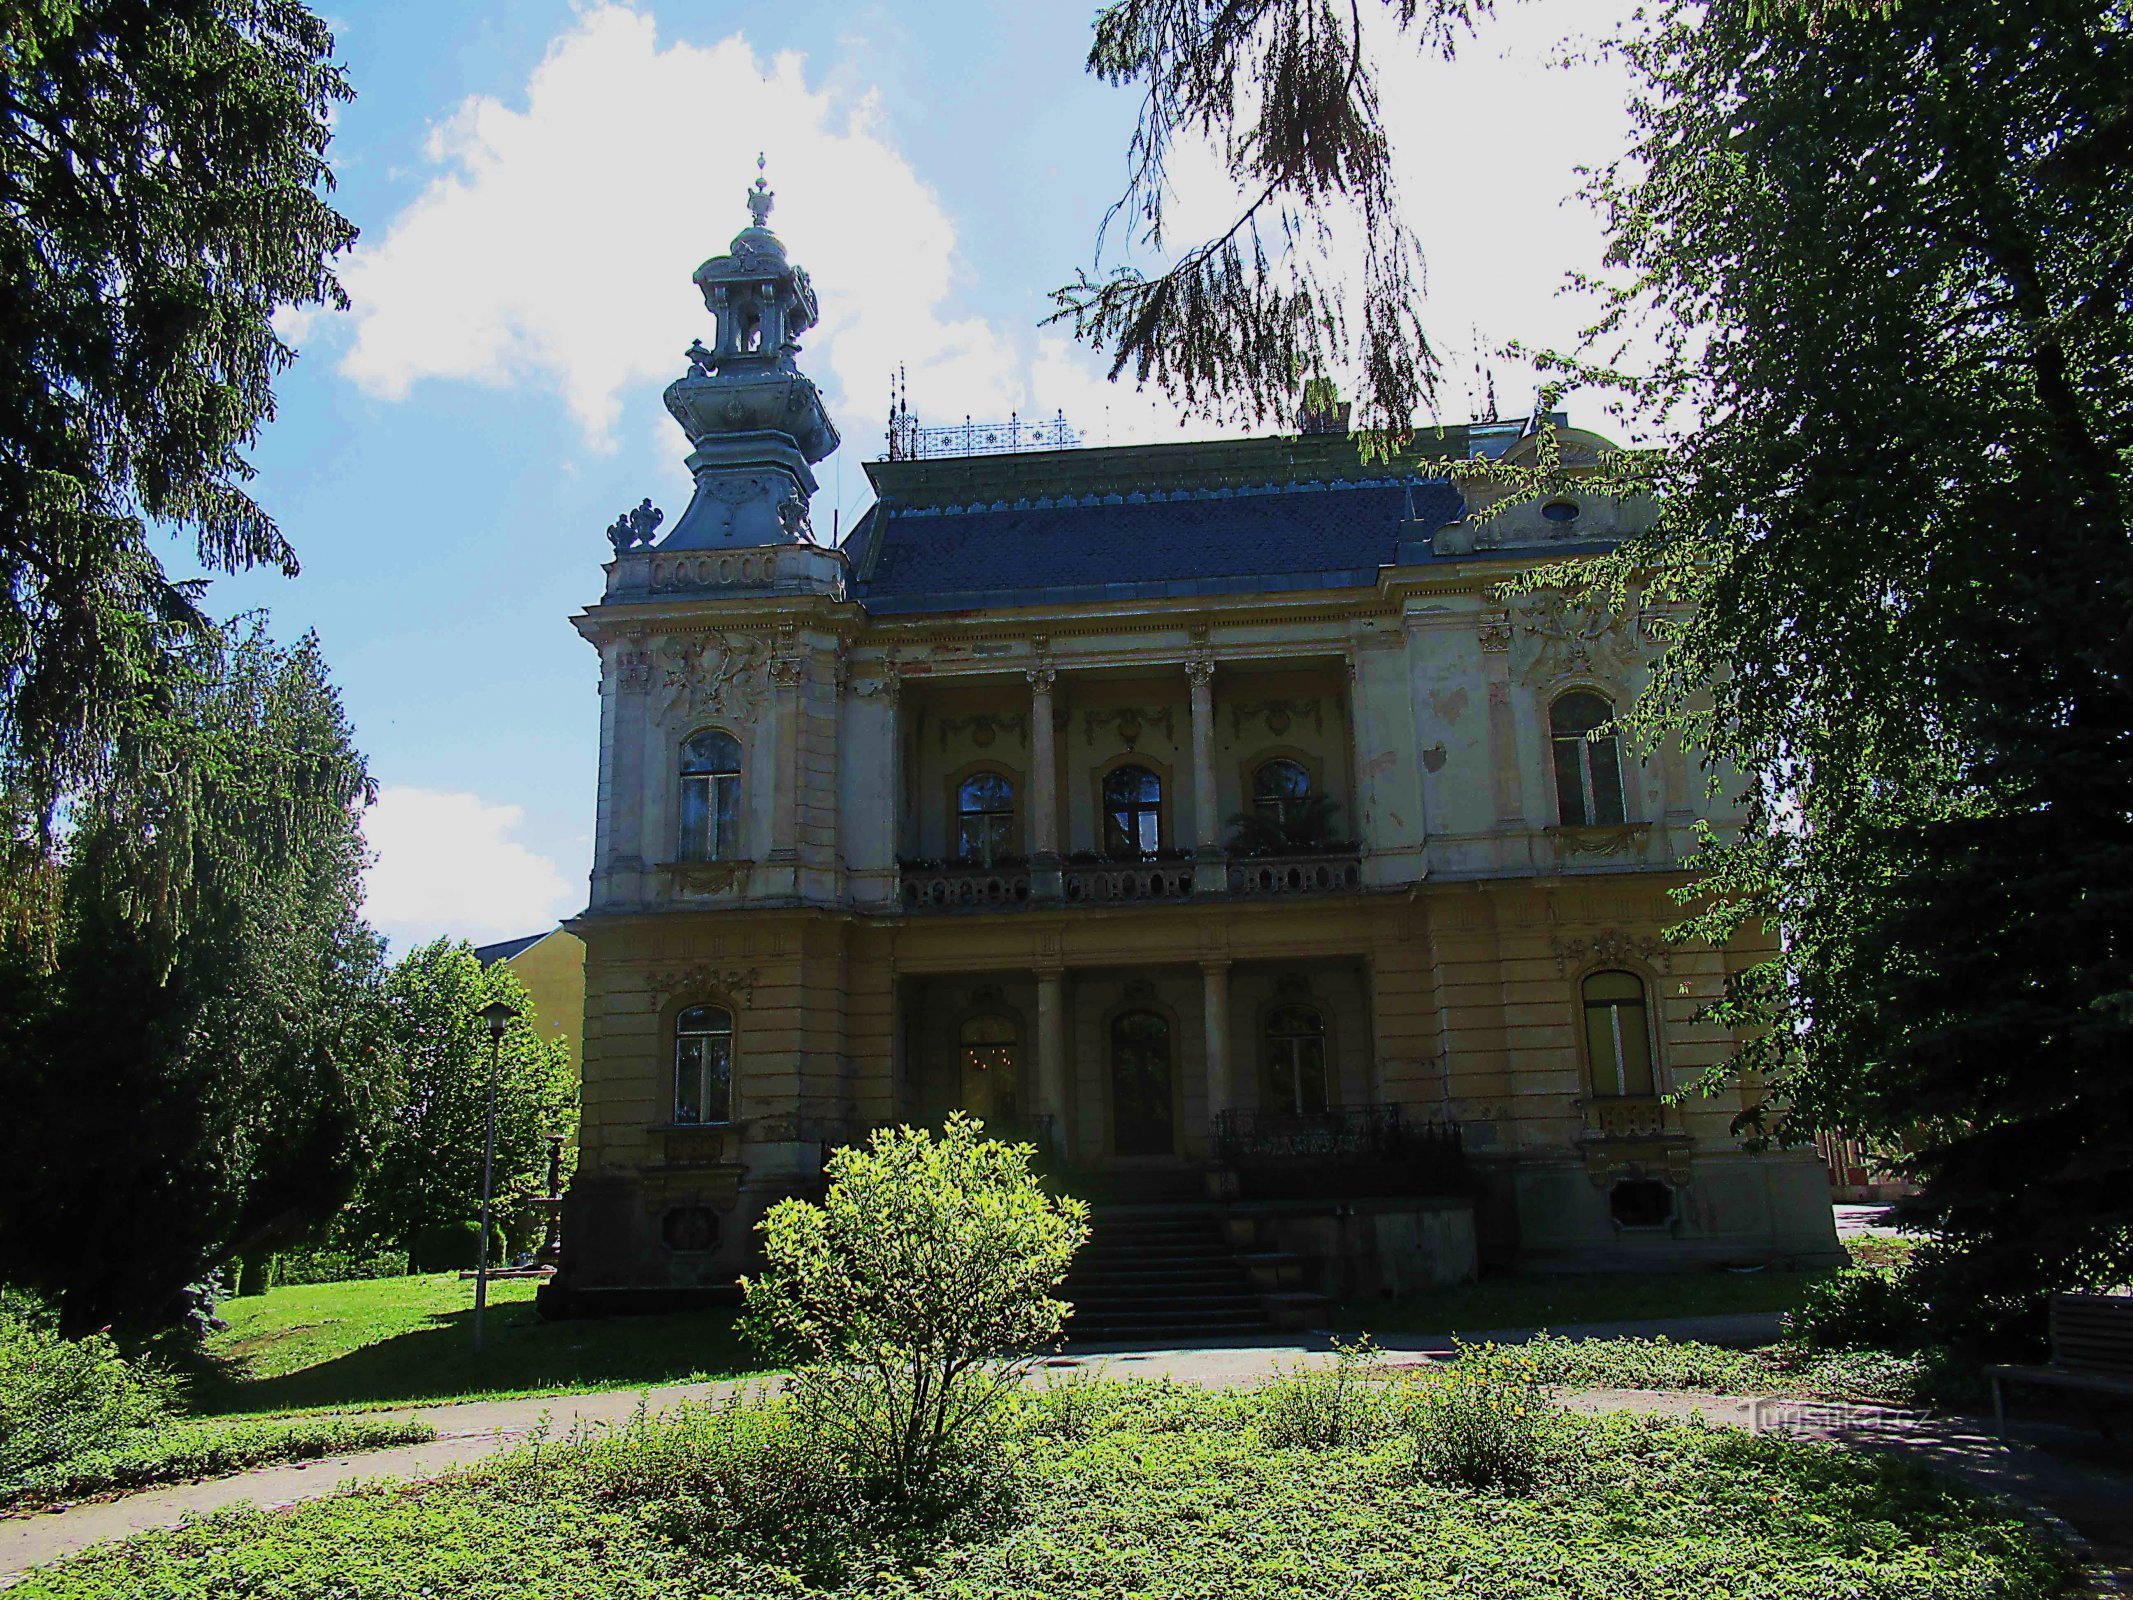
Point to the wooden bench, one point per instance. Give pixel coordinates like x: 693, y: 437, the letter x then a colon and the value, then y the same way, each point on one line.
x: 2092, y: 1349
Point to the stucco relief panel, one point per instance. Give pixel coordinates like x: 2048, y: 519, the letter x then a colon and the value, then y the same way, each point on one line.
x: 719, y: 675
x: 1556, y: 636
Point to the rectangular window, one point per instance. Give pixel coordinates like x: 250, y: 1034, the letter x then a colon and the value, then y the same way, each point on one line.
x: 703, y: 1078
x: 982, y: 837
x: 710, y: 809
x: 1570, y: 783
x: 1620, y: 1048
x: 1606, y: 782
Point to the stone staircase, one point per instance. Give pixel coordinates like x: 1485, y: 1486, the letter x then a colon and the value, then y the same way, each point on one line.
x: 1160, y: 1272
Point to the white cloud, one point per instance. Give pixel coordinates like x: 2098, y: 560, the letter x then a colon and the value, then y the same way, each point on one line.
x: 550, y: 248
x: 448, y: 864
x: 555, y: 244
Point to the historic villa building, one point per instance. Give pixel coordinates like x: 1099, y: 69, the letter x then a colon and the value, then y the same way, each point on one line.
x: 1192, y: 809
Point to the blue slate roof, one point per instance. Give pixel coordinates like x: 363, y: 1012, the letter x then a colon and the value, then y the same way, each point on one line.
x: 489, y: 954
x: 1141, y: 544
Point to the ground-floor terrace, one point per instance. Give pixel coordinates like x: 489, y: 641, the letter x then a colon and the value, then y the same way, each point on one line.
x: 1392, y: 1087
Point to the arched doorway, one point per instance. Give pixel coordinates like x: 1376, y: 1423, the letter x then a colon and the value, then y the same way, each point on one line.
x: 1140, y: 1085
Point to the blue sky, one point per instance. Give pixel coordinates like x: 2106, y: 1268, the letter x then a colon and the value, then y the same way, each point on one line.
x: 535, y: 183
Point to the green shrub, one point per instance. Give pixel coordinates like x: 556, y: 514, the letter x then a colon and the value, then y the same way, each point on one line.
x: 1658, y: 1363
x: 339, y: 1264
x: 1860, y: 1308
x: 914, y: 1299
x: 65, y: 1397
x: 1078, y: 1407
x: 1486, y: 1421
x: 456, y: 1247
x: 174, y: 1451
x: 1329, y: 1408
x: 1880, y: 1249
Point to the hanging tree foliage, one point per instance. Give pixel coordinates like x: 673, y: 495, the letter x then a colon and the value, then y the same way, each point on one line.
x: 1884, y: 247
x: 1887, y: 257
x: 192, y: 1052
x: 1286, y: 93
x: 162, y: 167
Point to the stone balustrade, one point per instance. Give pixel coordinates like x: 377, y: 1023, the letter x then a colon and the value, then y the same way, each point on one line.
x: 1320, y: 872
x: 963, y: 887
x: 1113, y: 882
x: 1626, y: 1116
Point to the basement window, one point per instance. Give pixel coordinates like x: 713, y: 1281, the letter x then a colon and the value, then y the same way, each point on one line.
x: 1640, y: 1203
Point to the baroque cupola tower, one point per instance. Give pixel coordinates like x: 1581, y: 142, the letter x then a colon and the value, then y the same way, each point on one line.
x: 756, y: 423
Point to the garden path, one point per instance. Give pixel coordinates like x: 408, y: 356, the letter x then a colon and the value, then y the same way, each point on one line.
x: 2093, y: 1498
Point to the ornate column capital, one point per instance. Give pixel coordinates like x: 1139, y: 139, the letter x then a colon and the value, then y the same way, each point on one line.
x: 1042, y: 677
x: 1201, y: 670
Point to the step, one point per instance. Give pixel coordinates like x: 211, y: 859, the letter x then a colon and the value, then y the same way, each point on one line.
x: 1223, y: 1277
x: 1294, y: 1309
x: 1246, y: 1315
x: 1154, y: 1333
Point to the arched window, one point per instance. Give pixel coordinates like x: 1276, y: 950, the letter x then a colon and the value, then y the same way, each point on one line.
x: 1296, y: 1060
x: 1618, y: 1035
x: 985, y: 817
x: 710, y: 797
x: 992, y: 1078
x: 1133, y: 812
x: 1588, y: 771
x: 1279, y: 788
x: 703, y: 1065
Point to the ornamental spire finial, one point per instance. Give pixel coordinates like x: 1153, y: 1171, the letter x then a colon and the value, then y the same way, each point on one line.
x: 759, y: 197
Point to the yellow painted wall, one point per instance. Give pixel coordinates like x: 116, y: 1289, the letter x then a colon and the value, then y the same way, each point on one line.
x: 553, y: 971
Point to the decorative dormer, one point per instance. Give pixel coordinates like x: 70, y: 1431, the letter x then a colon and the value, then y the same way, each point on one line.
x: 757, y: 424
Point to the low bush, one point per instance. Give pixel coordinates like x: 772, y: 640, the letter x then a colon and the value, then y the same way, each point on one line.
x: 456, y: 1247
x: 78, y: 1419
x: 1333, y: 1407
x: 1487, y: 1421
x: 1122, y: 1492
x: 175, y: 1451
x: 1880, y: 1249
x: 914, y: 1299
x: 1860, y: 1308
x: 62, y: 1398
x: 1077, y: 1407
x: 1925, y: 1377
x: 334, y: 1264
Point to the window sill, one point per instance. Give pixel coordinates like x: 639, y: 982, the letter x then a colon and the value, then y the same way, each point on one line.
x: 697, y: 1144
x: 706, y: 877
x: 1600, y: 839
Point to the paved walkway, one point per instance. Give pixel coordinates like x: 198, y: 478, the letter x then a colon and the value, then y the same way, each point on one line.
x: 2094, y: 1499
x: 1856, y: 1220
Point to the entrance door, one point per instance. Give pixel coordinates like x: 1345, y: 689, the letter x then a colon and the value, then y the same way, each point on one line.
x: 1140, y: 1085
x: 991, y: 1071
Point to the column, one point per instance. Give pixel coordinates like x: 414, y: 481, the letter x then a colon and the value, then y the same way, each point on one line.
x: 788, y: 671
x: 630, y: 805
x: 1209, y: 874
x: 1051, y: 1054
x: 1045, y: 880
x: 1214, y: 990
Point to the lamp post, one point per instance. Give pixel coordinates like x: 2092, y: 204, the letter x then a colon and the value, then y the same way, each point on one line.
x: 497, y: 1014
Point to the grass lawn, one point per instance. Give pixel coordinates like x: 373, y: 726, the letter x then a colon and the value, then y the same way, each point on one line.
x: 1559, y: 1301
x: 386, y: 1342
x: 401, y: 1341
x: 1144, y: 1491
